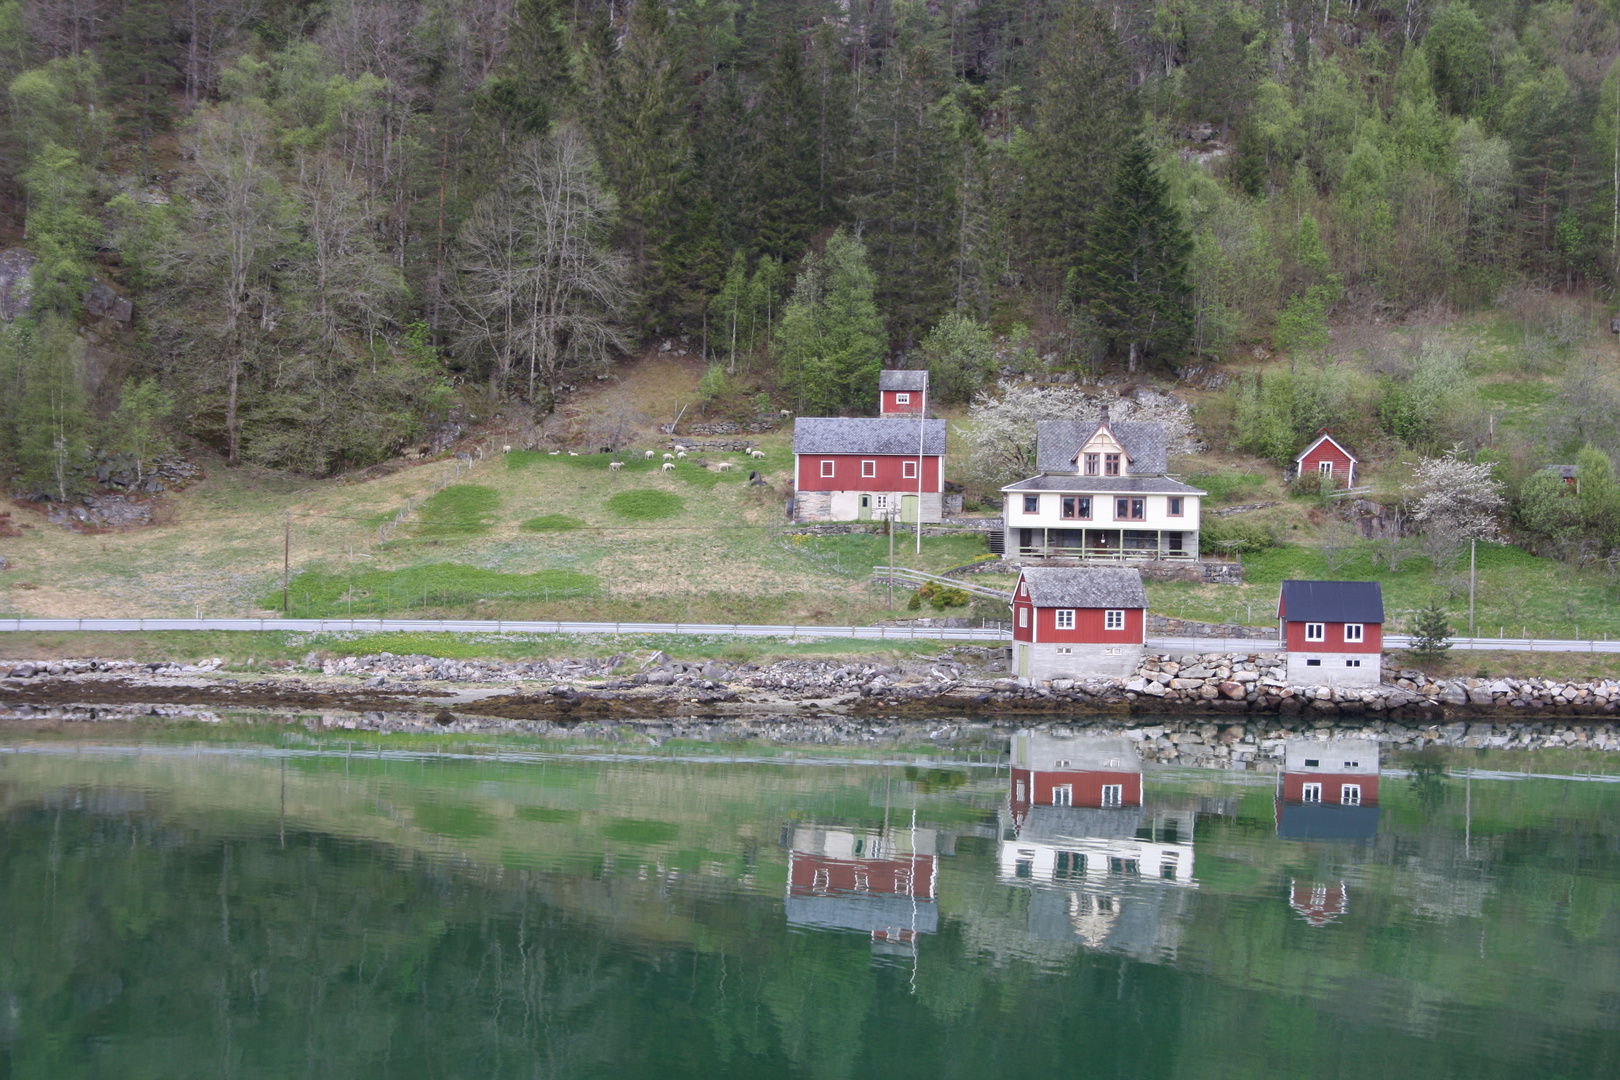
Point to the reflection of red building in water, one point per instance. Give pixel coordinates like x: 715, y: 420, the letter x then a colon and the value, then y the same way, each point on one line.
x: 877, y: 882
x: 1319, y: 904
x: 1093, y: 773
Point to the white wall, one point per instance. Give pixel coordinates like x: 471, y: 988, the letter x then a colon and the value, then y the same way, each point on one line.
x: 1332, y: 671
x: 1102, y: 513
x: 1042, y: 660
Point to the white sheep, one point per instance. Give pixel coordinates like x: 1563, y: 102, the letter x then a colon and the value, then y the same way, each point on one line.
x: 506, y: 449
x: 679, y: 449
x: 724, y: 466
x: 648, y: 454
x: 681, y: 454
x: 615, y: 466
x: 785, y: 412
x: 554, y: 453
x: 669, y: 466
x: 756, y: 453
x: 669, y: 457
x: 572, y: 453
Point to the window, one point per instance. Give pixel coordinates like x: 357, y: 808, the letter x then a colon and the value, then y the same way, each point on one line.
x: 1352, y: 663
x: 1353, y: 631
x: 827, y: 468
x: 1315, y: 631
x: 1023, y: 617
x: 908, y: 470
x: 862, y: 882
x: 868, y: 468
x: 880, y: 501
x: 1167, y: 870
x: 1061, y: 763
x: 1124, y: 866
x: 1350, y: 795
x: 1313, y: 763
x: 1325, y: 468
x: 1065, y: 619
x: 1076, y: 507
x: 1025, y: 868
x: 1064, y: 650
x: 1311, y: 793
x: 1352, y: 764
x: 1092, y: 461
x: 820, y: 880
x: 1113, y: 794
x: 1175, y: 506
x: 1070, y: 864
x: 1130, y: 509
x: 1110, y: 464
x: 1113, y: 652
x: 1032, y: 504
x: 1114, y: 619
x: 902, y: 399
x: 1023, y: 589
x: 1020, y: 795
x: 1063, y: 795
x: 1314, y: 663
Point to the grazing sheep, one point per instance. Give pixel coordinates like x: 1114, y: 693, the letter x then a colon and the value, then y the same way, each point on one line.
x: 756, y: 453
x: 669, y: 457
x: 572, y: 454
x: 554, y: 453
x: 648, y: 454
x: 724, y: 466
x: 669, y: 466
x: 681, y: 454
x: 679, y: 449
x: 785, y: 412
x: 506, y: 449
x: 615, y: 466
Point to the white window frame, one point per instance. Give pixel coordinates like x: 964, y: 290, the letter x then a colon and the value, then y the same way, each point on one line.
x: 868, y: 468
x: 902, y: 398
x: 1350, y: 795
x: 1113, y: 794
x: 828, y: 469
x: 1023, y: 618
x: 1018, y: 791
x: 1114, y: 619
x: 908, y: 470
x: 1356, y: 632
x: 1062, y: 794
x: 820, y: 880
x: 880, y: 500
x: 1315, y: 631
x: 1065, y: 618
x: 1324, y: 468
x: 1310, y: 793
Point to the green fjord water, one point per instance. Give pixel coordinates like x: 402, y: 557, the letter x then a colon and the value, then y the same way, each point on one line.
x: 244, y: 903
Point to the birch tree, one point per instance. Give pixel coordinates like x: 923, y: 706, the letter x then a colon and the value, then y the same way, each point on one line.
x: 539, y: 286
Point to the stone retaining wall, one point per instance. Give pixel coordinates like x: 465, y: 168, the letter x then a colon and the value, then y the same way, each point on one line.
x: 1164, y: 626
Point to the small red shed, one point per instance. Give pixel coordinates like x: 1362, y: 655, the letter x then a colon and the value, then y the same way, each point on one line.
x: 1078, y: 622
x: 902, y: 393
x: 1318, y: 902
x: 1098, y: 773
x: 1332, y: 631
x: 1327, y: 458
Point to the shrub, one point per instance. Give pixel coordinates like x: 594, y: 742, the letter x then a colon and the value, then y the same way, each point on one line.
x: 1431, y: 632
x: 1224, y: 536
x: 646, y: 505
x: 939, y: 597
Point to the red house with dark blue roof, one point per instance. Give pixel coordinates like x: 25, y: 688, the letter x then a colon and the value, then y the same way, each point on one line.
x: 1332, y: 631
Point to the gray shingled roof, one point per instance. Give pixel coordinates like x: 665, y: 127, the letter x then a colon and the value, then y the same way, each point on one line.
x: 866, y: 435
x: 1085, y: 587
x: 1085, y: 485
x: 1564, y: 472
x: 1058, y: 441
x: 895, y: 379
x: 1332, y: 601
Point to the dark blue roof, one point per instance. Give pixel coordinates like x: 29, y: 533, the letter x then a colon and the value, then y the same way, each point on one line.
x: 1324, y: 821
x: 1332, y: 601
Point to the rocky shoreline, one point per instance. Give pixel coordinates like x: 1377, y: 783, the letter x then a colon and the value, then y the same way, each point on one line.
x: 1215, y: 706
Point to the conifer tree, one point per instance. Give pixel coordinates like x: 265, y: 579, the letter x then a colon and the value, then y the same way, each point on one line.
x: 1133, y: 280
x: 787, y: 200
x: 830, y: 343
x: 534, y: 84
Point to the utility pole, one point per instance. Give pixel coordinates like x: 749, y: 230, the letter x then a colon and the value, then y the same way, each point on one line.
x: 1473, y: 550
x: 922, y: 430
x: 890, y: 516
x: 286, y: 562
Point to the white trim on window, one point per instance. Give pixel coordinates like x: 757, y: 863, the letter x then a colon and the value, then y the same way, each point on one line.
x: 1354, y: 631
x: 902, y: 399
x: 1114, y: 619
x: 880, y: 501
x: 1315, y: 631
x: 1113, y: 794
x: 868, y: 468
x: 827, y: 468
x: 1062, y: 794
x: 1350, y: 795
x: 1065, y: 619
x: 1310, y: 793
x: 1023, y: 618
x: 908, y: 470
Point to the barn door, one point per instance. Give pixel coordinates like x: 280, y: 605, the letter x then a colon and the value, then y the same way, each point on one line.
x: 908, y: 509
x: 865, y: 512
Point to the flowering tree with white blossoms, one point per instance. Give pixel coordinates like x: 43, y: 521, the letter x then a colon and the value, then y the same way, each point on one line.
x: 1454, y: 500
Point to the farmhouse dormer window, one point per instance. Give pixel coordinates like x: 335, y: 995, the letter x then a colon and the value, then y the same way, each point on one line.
x: 868, y: 468
x: 1092, y: 461
x: 827, y: 468
x: 1315, y: 631
x: 1110, y: 464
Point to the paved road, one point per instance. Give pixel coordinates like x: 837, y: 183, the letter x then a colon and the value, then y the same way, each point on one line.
x: 487, y: 626
x: 879, y: 633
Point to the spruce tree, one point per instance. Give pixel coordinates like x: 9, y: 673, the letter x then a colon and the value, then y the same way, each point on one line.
x: 787, y: 201
x: 1431, y: 632
x: 830, y: 342
x: 1133, y: 280
x: 534, y: 83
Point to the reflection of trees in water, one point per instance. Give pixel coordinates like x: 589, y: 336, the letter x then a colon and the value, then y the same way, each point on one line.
x: 1428, y: 778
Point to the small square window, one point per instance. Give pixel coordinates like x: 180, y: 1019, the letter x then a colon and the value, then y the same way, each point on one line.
x: 902, y: 399
x: 1325, y: 468
x: 908, y: 470
x: 827, y: 467
x: 868, y: 468
x: 1175, y: 506
x: 1352, y: 663
x: 1064, y: 650
x: 1315, y: 631
x: 1032, y: 504
x: 880, y: 501
x: 1114, y: 620
x: 1110, y: 464
x: 1354, y: 631
x: 1092, y: 461
x: 1065, y: 619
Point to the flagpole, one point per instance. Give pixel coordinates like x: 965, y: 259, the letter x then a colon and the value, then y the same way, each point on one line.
x: 922, y: 430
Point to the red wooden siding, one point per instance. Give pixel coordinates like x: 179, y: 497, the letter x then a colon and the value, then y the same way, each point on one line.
x: 1087, y: 785
x: 881, y: 876
x: 1333, y: 635
x: 891, y: 407
x: 1327, y: 450
x: 847, y: 473
x: 1294, y: 786
x: 1088, y: 627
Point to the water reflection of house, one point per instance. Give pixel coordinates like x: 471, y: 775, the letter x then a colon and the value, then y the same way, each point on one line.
x: 875, y: 881
x: 1328, y: 790
x: 1102, y: 868
x: 1320, y: 903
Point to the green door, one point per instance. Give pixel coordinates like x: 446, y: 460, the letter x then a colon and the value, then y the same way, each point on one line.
x: 865, y: 512
x: 908, y: 509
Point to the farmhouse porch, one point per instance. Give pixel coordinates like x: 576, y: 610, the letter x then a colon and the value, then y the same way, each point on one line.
x: 1107, y: 544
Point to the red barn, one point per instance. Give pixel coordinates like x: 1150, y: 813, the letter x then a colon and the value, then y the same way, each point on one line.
x: 1332, y: 631
x: 1093, y: 773
x: 1318, y: 902
x: 1327, y: 458
x: 1078, y: 622
x: 902, y: 393
x: 880, y: 883
x: 1328, y: 790
x: 861, y: 468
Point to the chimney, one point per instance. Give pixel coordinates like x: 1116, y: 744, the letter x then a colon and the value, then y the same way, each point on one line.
x: 1105, y: 413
